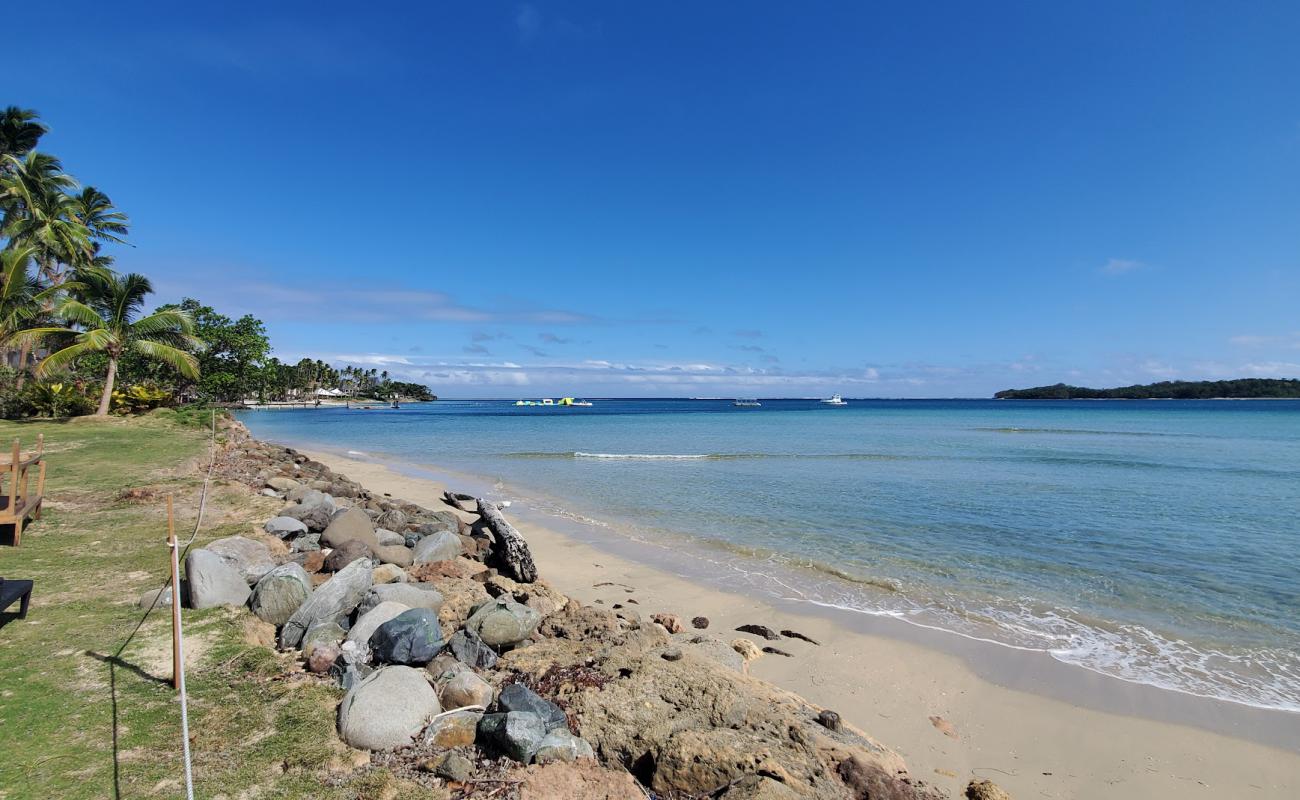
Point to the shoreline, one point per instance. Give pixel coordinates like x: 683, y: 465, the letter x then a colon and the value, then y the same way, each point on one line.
x: 1036, y: 725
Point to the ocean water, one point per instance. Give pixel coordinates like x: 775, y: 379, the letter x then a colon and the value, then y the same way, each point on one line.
x: 1154, y: 541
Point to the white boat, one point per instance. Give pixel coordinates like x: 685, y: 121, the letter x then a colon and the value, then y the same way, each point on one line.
x: 834, y: 400
x: 742, y: 402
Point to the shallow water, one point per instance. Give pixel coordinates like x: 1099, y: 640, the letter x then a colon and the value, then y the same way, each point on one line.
x: 1156, y: 541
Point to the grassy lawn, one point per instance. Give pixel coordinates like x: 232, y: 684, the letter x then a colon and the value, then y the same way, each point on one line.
x: 81, y: 717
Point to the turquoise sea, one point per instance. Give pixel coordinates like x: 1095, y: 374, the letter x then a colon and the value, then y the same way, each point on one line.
x: 1155, y: 541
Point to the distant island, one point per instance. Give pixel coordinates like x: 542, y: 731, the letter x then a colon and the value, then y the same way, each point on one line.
x: 1242, y: 388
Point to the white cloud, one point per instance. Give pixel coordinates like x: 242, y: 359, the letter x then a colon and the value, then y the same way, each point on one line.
x: 1286, y: 341
x: 1121, y: 266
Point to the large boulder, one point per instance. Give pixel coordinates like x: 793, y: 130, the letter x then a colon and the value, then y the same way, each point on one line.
x: 469, y: 649
x: 316, y: 517
x: 284, y: 527
x: 387, y: 709
x: 332, y: 599
x: 369, y: 622
x: 412, y: 595
x: 345, y: 554
x: 398, y: 554
x: 413, y: 637
x: 454, y: 729
x: 280, y: 592
x: 516, y: 734
x: 441, y: 546
x: 560, y: 745
x: 501, y: 621
x: 517, y: 697
x: 250, y: 559
x: 432, y: 522
x: 282, y: 484
x: 213, y: 582
x: 465, y: 689
x: 353, y: 524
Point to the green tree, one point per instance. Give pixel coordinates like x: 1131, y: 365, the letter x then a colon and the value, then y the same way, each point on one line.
x: 106, y: 312
x: 233, y: 352
x: 20, y: 130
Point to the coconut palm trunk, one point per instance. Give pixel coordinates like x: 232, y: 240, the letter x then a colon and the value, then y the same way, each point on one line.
x: 24, y: 353
x: 107, y: 397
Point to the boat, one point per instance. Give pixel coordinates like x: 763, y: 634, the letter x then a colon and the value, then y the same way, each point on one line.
x: 550, y: 403
x: 834, y: 400
x: 743, y: 402
x: 569, y: 401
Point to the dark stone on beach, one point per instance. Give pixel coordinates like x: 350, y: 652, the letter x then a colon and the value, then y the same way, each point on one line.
x: 774, y: 651
x: 672, y: 654
x: 345, y: 554
x: 867, y: 780
x: 830, y: 721
x: 516, y: 734
x: 789, y: 634
x: 700, y: 623
x: 517, y: 697
x: 412, y: 637
x: 469, y: 649
x: 760, y: 630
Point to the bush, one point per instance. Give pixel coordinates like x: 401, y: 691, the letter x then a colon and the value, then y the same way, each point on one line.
x: 139, y: 398
x: 13, y: 403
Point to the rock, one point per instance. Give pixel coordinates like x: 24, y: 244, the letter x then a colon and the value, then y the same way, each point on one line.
x: 352, y: 525
x: 747, y: 649
x: 581, y: 780
x: 282, y: 484
x: 830, y: 721
x: 251, y: 559
x: 469, y: 649
x: 346, y: 553
x: 700, y: 623
x: 868, y: 780
x: 386, y: 537
x: 560, y: 745
x: 369, y: 622
x: 501, y: 622
x: 413, y: 637
x: 284, y: 527
x: 540, y: 596
x: 517, y: 697
x: 466, y: 689
x: 388, y: 709
x: 797, y: 635
x: 712, y: 648
x: 454, y: 767
x: 335, y: 597
x: 455, y: 568
x: 672, y: 654
x: 457, y: 729
x: 444, y: 667
x: 776, y: 651
x: 269, y: 493
x: 322, y: 633
x: 312, y: 562
x: 760, y: 630
x: 579, y: 622
x: 307, y: 543
x: 398, y: 554
x: 392, y: 518
x: 316, y: 517
x: 670, y: 622
x: 322, y: 657
x: 758, y: 787
x: 441, y: 546
x: 979, y: 789
x: 432, y: 522
x: 213, y: 582
x: 280, y: 592
x: 461, y: 597
x: 516, y: 734
x: 387, y: 573
x: 410, y: 594
x: 156, y: 598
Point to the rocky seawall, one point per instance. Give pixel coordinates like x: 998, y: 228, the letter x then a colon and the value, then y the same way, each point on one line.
x: 466, y: 673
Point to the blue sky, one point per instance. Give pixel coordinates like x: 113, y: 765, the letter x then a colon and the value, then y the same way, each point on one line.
x: 880, y: 199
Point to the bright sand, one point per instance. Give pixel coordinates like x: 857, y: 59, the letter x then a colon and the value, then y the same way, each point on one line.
x: 1036, y: 727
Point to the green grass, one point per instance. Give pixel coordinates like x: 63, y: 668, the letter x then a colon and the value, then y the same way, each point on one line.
x: 78, y: 719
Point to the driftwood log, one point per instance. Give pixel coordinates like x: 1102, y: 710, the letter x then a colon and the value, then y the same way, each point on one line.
x: 511, y: 552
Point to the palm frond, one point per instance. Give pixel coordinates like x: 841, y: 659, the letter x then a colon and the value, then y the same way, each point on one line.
x: 62, y: 358
x: 80, y: 313
x: 34, y: 336
x: 183, y: 362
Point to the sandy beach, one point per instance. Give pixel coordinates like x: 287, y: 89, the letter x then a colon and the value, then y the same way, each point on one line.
x: 954, y: 708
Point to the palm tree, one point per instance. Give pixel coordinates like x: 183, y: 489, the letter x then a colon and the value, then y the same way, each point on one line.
x: 106, y: 309
x: 104, y: 223
x: 39, y: 212
x: 20, y: 130
x: 21, y: 296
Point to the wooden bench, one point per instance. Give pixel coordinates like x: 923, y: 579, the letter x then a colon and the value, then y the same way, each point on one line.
x: 11, y: 590
x: 17, y: 502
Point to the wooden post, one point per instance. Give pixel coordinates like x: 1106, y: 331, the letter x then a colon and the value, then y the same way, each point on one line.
x: 176, y: 596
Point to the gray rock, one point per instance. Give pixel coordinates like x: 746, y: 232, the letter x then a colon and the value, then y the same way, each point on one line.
x: 388, y: 709
x: 270, y: 493
x: 251, y: 559
x: 413, y: 637
x: 163, y: 597
x: 280, y: 592
x: 411, y: 595
x: 465, y: 689
x: 469, y: 649
x: 212, y: 582
x: 454, y: 767
x: 387, y: 537
x: 353, y: 524
x: 517, y: 697
x: 370, y: 621
x: 501, y: 621
x: 316, y: 517
x: 306, y: 543
x: 282, y: 484
x: 560, y: 745
x: 398, y: 554
x: 441, y: 546
x: 435, y: 521
x: 322, y: 633
x: 392, y: 518
x: 456, y: 729
x: 284, y: 527
x: 345, y: 554
x: 332, y: 599
x: 516, y: 734
x: 711, y: 647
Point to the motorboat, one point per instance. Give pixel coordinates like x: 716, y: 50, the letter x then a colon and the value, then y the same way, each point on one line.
x: 742, y: 402
x: 834, y: 400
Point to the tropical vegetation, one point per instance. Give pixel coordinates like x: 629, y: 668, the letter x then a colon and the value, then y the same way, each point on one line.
x: 75, y: 335
x: 1242, y: 388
